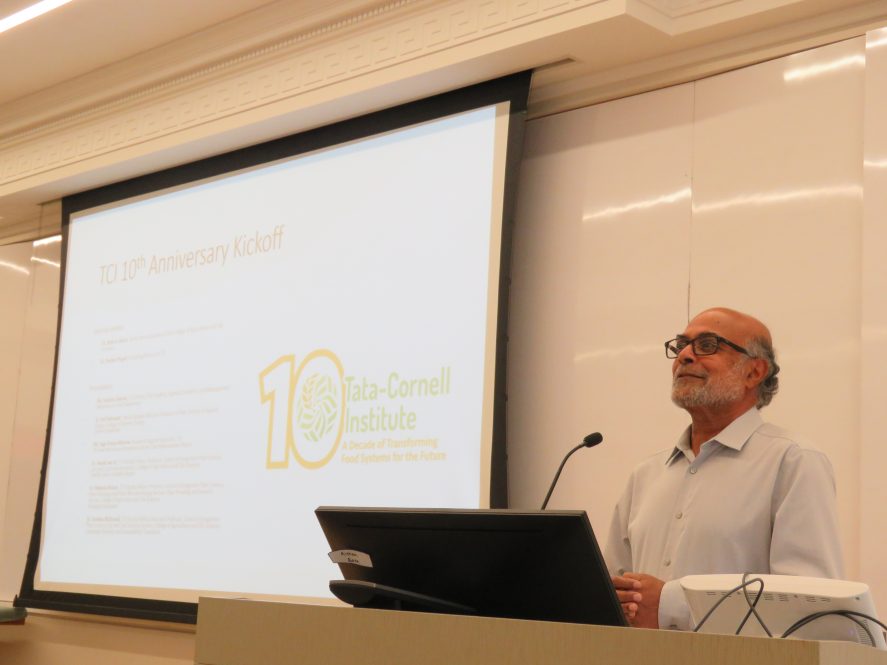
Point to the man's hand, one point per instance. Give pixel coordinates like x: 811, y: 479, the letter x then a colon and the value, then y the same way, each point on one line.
x: 628, y: 593
x: 642, y: 591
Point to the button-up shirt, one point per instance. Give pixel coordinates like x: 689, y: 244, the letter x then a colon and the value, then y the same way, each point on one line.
x: 755, y: 500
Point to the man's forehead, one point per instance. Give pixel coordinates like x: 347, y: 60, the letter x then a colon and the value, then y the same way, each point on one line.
x: 694, y: 335
x: 708, y: 324
x: 726, y: 323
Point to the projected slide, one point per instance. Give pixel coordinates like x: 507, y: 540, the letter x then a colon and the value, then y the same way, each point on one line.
x: 237, y: 352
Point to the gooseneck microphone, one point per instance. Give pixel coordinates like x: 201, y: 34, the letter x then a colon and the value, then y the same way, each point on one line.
x: 591, y: 440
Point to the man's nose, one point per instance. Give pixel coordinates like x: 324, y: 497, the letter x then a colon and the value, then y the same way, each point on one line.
x: 686, y: 355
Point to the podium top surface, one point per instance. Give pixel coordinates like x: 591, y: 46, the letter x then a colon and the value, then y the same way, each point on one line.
x: 278, y: 633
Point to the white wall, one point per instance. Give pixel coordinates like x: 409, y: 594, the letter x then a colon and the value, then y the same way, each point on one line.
x: 745, y: 189
x: 15, y: 283
x: 36, y: 274
x: 872, y: 490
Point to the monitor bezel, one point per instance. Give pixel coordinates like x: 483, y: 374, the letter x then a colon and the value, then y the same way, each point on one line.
x: 551, y: 567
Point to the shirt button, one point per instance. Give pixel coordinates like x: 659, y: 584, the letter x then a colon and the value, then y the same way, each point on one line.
x: 679, y: 516
x: 693, y: 469
x: 668, y: 562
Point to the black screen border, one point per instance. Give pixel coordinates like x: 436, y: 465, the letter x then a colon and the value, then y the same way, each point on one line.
x: 513, y: 89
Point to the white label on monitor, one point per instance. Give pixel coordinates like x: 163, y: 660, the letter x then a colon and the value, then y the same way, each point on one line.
x: 352, y: 556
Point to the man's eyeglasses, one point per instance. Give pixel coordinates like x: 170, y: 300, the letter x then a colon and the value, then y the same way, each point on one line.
x: 706, y: 344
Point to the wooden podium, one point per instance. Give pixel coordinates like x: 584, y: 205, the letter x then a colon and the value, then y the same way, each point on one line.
x: 245, y: 632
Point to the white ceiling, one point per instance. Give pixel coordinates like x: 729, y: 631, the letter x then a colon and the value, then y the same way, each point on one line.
x: 89, y: 53
x: 86, y: 35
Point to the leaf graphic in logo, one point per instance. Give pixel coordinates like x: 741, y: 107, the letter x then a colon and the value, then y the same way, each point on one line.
x: 316, y: 414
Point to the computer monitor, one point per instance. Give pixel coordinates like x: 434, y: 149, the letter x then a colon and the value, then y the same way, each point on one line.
x: 500, y: 563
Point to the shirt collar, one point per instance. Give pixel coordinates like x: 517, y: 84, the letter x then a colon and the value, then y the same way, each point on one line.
x: 735, y: 435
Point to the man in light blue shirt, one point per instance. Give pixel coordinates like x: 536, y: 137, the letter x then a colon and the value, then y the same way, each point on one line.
x: 735, y: 494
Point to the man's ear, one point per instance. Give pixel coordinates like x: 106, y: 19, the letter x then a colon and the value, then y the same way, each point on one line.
x: 757, y: 372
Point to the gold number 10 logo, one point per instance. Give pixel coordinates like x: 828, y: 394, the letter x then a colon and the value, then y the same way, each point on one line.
x: 306, y: 409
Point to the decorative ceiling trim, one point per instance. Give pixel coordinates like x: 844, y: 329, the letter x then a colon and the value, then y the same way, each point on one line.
x: 677, y: 8
x: 238, y: 61
x: 706, y: 60
x: 324, y: 57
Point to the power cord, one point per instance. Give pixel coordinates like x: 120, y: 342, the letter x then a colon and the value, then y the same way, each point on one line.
x: 751, y: 604
x: 800, y: 623
x: 849, y: 614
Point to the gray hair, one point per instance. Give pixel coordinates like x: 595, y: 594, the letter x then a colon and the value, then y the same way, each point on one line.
x: 760, y: 347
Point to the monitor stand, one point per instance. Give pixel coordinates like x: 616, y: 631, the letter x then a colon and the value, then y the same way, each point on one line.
x: 380, y: 597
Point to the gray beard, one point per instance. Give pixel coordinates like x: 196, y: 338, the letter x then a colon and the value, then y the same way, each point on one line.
x: 725, y: 391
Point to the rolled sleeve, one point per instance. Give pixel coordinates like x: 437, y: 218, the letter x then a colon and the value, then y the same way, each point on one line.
x: 674, y: 612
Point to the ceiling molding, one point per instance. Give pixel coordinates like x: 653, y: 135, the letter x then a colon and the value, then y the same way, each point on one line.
x: 234, y: 44
x: 707, y: 60
x: 287, y: 70
x: 274, y: 72
x: 675, y: 17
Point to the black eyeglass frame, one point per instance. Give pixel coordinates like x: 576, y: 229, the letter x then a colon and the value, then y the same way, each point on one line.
x: 692, y: 342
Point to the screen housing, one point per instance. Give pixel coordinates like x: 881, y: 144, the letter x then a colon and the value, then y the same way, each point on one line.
x: 510, y: 90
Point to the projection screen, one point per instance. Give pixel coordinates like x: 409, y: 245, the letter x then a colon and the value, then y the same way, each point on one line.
x: 310, y: 321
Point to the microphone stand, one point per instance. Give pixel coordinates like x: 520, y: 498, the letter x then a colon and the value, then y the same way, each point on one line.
x: 589, y: 441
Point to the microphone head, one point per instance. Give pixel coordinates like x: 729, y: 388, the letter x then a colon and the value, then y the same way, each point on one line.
x: 592, y: 439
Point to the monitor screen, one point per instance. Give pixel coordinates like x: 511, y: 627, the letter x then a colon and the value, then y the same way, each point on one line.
x: 501, y: 563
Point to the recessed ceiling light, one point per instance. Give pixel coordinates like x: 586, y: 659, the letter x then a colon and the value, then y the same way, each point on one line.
x: 28, y: 13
